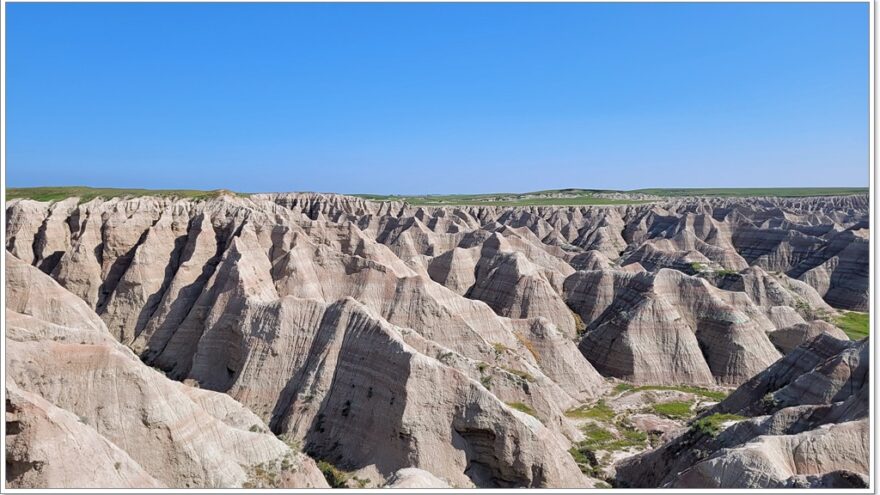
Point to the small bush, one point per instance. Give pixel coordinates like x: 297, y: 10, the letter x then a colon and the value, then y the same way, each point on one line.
x: 711, y: 425
x: 499, y: 348
x: 579, y: 326
x: 335, y: 477
x: 486, y: 381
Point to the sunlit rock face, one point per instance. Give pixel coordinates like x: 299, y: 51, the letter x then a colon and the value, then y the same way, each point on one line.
x: 455, y: 338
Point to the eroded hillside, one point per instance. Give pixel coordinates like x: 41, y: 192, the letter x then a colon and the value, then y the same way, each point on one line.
x: 438, y: 346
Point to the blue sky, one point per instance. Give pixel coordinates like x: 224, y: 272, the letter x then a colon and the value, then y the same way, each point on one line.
x: 437, y: 98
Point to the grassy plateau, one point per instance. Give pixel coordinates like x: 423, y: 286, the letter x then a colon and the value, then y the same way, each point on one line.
x: 558, y: 197
x: 90, y: 193
x: 585, y: 197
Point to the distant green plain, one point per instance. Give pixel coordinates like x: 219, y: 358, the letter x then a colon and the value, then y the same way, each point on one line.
x: 89, y: 193
x: 575, y: 197
x: 584, y: 197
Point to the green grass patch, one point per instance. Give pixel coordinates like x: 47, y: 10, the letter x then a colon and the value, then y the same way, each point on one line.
x: 697, y: 267
x: 90, y: 193
x: 623, y: 387
x: 597, y: 437
x: 711, y: 425
x: 715, y: 395
x: 600, y: 412
x: 854, y: 324
x: 674, y: 410
x: 519, y: 406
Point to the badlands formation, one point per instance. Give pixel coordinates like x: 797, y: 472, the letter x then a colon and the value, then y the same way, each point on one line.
x: 296, y: 340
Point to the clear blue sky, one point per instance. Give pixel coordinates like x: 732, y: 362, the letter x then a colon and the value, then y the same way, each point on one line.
x: 437, y: 98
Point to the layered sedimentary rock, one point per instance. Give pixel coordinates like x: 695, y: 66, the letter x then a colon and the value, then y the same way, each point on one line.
x: 73, y: 388
x: 339, y: 323
x: 802, y: 422
x: 669, y: 328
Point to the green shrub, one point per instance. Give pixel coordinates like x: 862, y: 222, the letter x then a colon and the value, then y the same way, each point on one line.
x: 335, y: 477
x: 499, y: 348
x: 711, y: 425
x: 486, y: 381
x: 579, y: 326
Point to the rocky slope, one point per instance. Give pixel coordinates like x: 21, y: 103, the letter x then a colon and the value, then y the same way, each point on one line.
x: 456, y: 338
x: 82, y: 411
x: 801, y: 423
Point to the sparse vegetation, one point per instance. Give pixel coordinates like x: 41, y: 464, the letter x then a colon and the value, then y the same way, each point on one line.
x: 623, y: 387
x: 697, y: 267
x: 579, y: 326
x: 519, y: 406
x: 674, y: 410
x: 499, y: 348
x: 768, y: 402
x: 523, y: 375
x: 255, y: 429
x: 722, y: 272
x: 854, y: 324
x: 528, y: 345
x: 486, y: 381
x: 599, y: 438
x: 263, y: 475
x: 600, y: 411
x: 711, y: 425
x: 715, y: 395
x: 335, y: 477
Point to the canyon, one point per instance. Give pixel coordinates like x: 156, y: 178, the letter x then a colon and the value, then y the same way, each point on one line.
x: 320, y: 340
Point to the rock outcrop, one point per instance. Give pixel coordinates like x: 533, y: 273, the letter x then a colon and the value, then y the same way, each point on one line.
x: 78, y: 399
x: 454, y: 337
x: 801, y: 423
